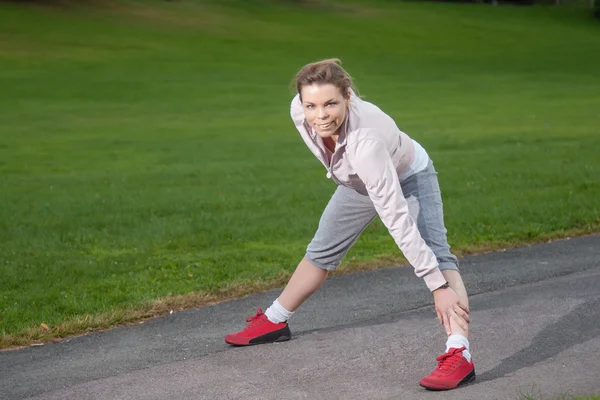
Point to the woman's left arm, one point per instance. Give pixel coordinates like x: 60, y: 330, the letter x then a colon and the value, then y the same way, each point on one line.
x: 373, y: 165
x: 375, y: 168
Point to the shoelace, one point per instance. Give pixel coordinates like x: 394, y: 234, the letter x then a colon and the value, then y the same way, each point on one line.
x: 447, y: 361
x: 255, y: 319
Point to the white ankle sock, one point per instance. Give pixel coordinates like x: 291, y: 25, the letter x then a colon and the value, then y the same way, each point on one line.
x: 277, y: 314
x: 458, y: 341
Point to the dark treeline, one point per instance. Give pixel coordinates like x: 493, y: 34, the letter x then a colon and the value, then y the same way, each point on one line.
x: 593, y: 4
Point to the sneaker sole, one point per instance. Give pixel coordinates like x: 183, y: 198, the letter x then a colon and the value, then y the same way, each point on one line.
x: 281, y: 335
x: 470, y: 378
x: 272, y: 337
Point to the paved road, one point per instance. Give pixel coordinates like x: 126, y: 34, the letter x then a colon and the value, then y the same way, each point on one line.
x: 535, y: 330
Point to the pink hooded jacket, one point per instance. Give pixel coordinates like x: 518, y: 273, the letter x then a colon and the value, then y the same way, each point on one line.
x: 370, y: 155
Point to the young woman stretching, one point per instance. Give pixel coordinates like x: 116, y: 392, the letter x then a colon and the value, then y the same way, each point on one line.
x: 380, y: 171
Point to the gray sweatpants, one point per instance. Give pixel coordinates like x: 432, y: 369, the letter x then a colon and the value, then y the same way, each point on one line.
x: 348, y: 213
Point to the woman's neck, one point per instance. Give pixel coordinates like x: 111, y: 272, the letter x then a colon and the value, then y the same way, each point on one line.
x: 330, y: 142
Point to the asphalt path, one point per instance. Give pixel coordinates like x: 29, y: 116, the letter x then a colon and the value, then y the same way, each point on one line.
x: 535, y: 330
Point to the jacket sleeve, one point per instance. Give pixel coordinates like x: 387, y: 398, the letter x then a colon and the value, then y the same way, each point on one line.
x: 373, y: 165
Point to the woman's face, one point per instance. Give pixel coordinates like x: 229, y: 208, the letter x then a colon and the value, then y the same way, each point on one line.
x: 324, y: 108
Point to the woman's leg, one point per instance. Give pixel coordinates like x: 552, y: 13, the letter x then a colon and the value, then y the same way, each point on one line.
x: 347, y: 214
x: 422, y: 193
x: 305, y: 281
x: 424, y: 199
x: 456, y: 283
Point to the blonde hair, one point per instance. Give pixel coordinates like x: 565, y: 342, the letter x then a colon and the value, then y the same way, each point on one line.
x: 324, y: 72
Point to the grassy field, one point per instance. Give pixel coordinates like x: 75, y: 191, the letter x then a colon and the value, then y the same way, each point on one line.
x: 148, y: 162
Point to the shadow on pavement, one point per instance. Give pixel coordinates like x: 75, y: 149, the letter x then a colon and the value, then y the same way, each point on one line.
x: 574, y: 328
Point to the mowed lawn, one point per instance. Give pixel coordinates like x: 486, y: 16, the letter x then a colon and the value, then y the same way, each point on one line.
x: 148, y: 162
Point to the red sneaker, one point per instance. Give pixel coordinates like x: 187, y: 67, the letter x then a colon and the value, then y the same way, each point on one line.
x: 452, y: 371
x: 260, y: 330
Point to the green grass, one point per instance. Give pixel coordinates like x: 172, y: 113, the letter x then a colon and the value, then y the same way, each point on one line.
x: 146, y: 149
x: 587, y: 398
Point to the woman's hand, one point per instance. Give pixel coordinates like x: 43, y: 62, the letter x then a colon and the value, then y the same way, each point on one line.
x: 448, y: 307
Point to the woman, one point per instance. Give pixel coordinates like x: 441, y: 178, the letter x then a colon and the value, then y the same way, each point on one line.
x: 379, y: 171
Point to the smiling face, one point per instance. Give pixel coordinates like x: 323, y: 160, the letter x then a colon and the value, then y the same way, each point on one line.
x: 324, y: 108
